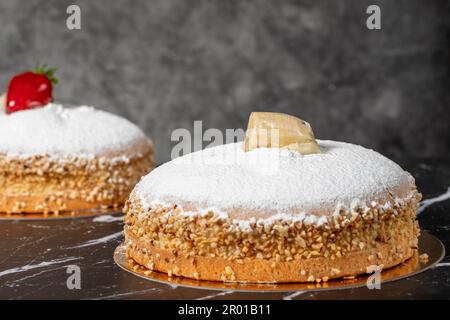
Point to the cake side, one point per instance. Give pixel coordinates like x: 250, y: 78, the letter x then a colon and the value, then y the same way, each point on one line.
x: 210, y: 246
x: 41, y: 184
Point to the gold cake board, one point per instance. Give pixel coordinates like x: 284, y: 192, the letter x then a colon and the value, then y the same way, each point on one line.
x: 60, y: 215
x: 428, y: 244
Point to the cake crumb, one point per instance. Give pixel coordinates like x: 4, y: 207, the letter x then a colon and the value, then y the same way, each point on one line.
x: 424, y: 258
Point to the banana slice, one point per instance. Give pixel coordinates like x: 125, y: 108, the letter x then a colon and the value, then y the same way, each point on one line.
x: 3, y: 103
x: 279, y: 130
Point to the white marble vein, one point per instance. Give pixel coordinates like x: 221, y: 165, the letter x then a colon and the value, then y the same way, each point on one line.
x: 125, y: 294
x: 16, y: 282
x: 108, y: 218
x: 442, y: 264
x: 293, y: 295
x: 36, y: 266
x: 223, y: 293
x: 428, y: 202
x: 101, y: 240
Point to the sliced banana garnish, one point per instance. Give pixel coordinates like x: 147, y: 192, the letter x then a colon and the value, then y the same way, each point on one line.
x: 279, y: 130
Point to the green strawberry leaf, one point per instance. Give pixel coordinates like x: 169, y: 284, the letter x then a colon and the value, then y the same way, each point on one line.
x: 49, y: 73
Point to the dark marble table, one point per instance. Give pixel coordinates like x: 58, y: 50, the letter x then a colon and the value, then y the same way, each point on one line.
x: 34, y: 256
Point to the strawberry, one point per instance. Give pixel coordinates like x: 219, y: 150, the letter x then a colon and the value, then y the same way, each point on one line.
x: 30, y: 89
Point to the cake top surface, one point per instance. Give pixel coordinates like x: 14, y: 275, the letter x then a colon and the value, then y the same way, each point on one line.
x: 57, y: 131
x: 277, y: 180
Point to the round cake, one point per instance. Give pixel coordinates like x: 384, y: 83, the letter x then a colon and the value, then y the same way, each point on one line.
x: 273, y: 215
x: 54, y: 158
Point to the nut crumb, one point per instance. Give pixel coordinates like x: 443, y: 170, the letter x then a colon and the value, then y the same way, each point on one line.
x: 424, y: 258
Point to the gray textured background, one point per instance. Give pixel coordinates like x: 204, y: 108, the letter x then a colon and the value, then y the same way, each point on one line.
x: 164, y: 64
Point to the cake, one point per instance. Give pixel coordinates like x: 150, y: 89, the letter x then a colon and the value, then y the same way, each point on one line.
x: 271, y: 214
x: 54, y: 158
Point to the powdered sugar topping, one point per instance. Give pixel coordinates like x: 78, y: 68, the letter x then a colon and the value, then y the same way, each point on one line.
x: 226, y: 178
x: 57, y: 131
